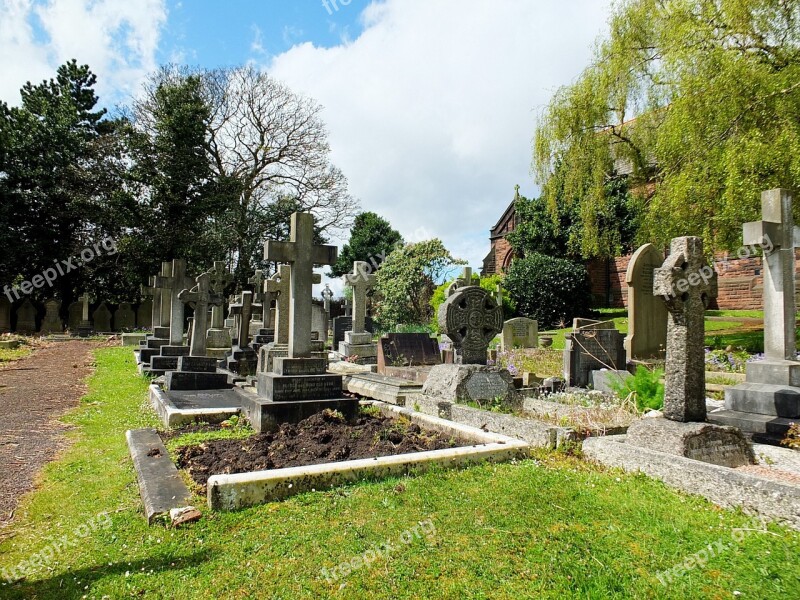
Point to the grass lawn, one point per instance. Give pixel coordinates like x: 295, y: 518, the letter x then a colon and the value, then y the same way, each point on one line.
x: 550, y: 527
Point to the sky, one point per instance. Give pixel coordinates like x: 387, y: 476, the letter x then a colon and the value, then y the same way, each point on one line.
x: 431, y: 105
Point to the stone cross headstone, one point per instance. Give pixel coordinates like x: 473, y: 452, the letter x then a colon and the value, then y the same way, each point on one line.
x: 52, y: 323
x: 360, y: 280
x: 102, y: 318
x: 26, y: 317
x: 153, y: 292
x: 279, y: 285
x: 172, y: 286
x: 257, y: 280
x: 244, y: 319
x: 124, y: 317
x: 327, y: 295
x: 471, y: 318
x: 217, y: 335
x: 203, y: 297
x: 647, y: 314
x: 463, y: 280
x: 686, y: 284
x: 520, y: 333
x: 348, y: 307
x: 5, y: 315
x: 302, y: 254
x: 777, y: 235
x: 85, y: 299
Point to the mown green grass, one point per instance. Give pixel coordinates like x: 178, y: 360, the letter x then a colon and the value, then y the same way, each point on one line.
x: 550, y: 527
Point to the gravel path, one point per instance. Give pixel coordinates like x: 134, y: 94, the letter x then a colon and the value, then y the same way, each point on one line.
x: 34, y: 393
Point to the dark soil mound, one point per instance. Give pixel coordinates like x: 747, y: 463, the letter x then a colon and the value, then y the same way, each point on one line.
x: 321, y: 438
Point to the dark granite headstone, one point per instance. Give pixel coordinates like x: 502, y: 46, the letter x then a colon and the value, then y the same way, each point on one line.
x: 344, y: 324
x: 592, y: 346
x: 407, y: 350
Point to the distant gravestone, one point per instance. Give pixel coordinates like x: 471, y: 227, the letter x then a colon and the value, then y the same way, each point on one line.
x: 591, y: 346
x: 647, y: 314
x: 102, y: 318
x: 408, y: 350
x: 26, y: 317
x: 51, y: 322
x: 5, y: 315
x: 144, y: 314
x: 75, y: 316
x: 471, y: 318
x: 343, y: 324
x: 124, y: 317
x: 319, y: 322
x: 520, y: 333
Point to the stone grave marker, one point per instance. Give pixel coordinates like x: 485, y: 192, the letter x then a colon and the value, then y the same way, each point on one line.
x: 124, y: 317
x: 26, y: 317
x: 75, y: 314
x: 51, y: 322
x: 344, y: 324
x: 5, y: 315
x: 152, y: 294
x: 102, y: 318
x: 357, y: 341
x: 471, y: 318
x: 327, y: 295
x: 144, y: 314
x: 591, y: 346
x: 319, y: 322
x: 647, y: 314
x: 218, y: 336
x: 407, y: 350
x: 520, y: 333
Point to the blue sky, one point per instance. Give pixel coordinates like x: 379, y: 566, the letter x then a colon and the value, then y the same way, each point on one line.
x: 430, y: 105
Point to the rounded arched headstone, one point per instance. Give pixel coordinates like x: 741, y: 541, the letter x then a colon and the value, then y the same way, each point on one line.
x: 471, y: 318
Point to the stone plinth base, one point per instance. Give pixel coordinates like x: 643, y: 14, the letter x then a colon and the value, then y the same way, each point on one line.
x: 218, y: 338
x: 267, y: 415
x: 471, y: 383
x: 242, y: 361
x: 366, y: 353
x: 704, y: 442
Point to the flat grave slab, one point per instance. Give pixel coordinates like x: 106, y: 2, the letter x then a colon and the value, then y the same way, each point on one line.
x: 177, y: 408
x: 379, y: 387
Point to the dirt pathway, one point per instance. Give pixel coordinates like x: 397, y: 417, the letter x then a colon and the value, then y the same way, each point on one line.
x: 34, y: 393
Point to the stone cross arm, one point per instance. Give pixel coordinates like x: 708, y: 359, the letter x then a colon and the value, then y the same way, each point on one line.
x: 286, y: 252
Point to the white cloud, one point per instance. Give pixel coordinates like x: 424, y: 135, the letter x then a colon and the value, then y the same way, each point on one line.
x: 432, y: 109
x: 118, y: 40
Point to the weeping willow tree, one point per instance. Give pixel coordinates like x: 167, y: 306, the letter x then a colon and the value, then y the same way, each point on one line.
x: 697, y: 101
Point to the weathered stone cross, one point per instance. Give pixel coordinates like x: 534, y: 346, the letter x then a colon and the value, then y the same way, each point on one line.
x: 360, y: 280
x: 327, y: 295
x: 279, y: 285
x: 302, y: 254
x: 777, y: 235
x: 203, y: 297
x: 220, y: 278
x: 257, y: 280
x: 153, y: 292
x: 686, y: 283
x: 85, y: 299
x: 174, y: 285
x: 244, y: 319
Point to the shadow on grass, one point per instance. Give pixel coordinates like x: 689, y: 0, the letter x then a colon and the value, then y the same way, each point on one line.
x: 74, y: 584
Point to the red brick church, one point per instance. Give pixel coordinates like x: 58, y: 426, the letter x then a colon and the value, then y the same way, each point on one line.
x: 740, y: 279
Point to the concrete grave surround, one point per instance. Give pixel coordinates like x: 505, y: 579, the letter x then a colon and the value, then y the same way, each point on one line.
x: 471, y: 318
x: 124, y: 317
x: 5, y: 315
x: 686, y: 289
x: 102, y: 318
x: 232, y: 492
x: 26, y: 317
x: 769, y: 400
x: 592, y: 345
x: 51, y: 322
x: 519, y: 333
x: 647, y: 314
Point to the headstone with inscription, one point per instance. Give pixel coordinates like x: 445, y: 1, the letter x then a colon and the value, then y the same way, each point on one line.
x: 407, y: 350
x: 472, y: 383
x: 520, y: 333
x: 592, y: 345
x: 647, y: 314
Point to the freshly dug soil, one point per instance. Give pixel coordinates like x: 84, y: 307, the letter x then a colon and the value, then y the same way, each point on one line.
x: 321, y: 438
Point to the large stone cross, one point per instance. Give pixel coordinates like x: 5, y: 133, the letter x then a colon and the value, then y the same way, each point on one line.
x: 777, y: 235
x: 471, y: 318
x: 302, y: 254
x: 219, y: 279
x: 203, y: 296
x: 360, y: 280
x: 174, y: 284
x: 686, y: 283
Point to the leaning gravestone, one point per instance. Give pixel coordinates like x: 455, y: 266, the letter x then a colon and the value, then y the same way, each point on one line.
x: 471, y: 318
x: 686, y: 284
x: 51, y: 322
x: 102, y: 318
x: 592, y: 346
x: 26, y: 317
x: 520, y: 333
x: 124, y: 317
x: 5, y: 315
x: 647, y: 314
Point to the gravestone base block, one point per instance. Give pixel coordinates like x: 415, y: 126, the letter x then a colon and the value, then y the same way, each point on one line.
x: 242, y: 361
x: 218, y: 338
x: 218, y: 353
x: 197, y: 364
x: 471, y: 383
x: 298, y: 379
x: 163, y: 364
x: 266, y: 415
x: 366, y: 353
x: 705, y: 442
x: 776, y: 372
x: 195, y: 380
x: 161, y: 332
x: 606, y: 380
